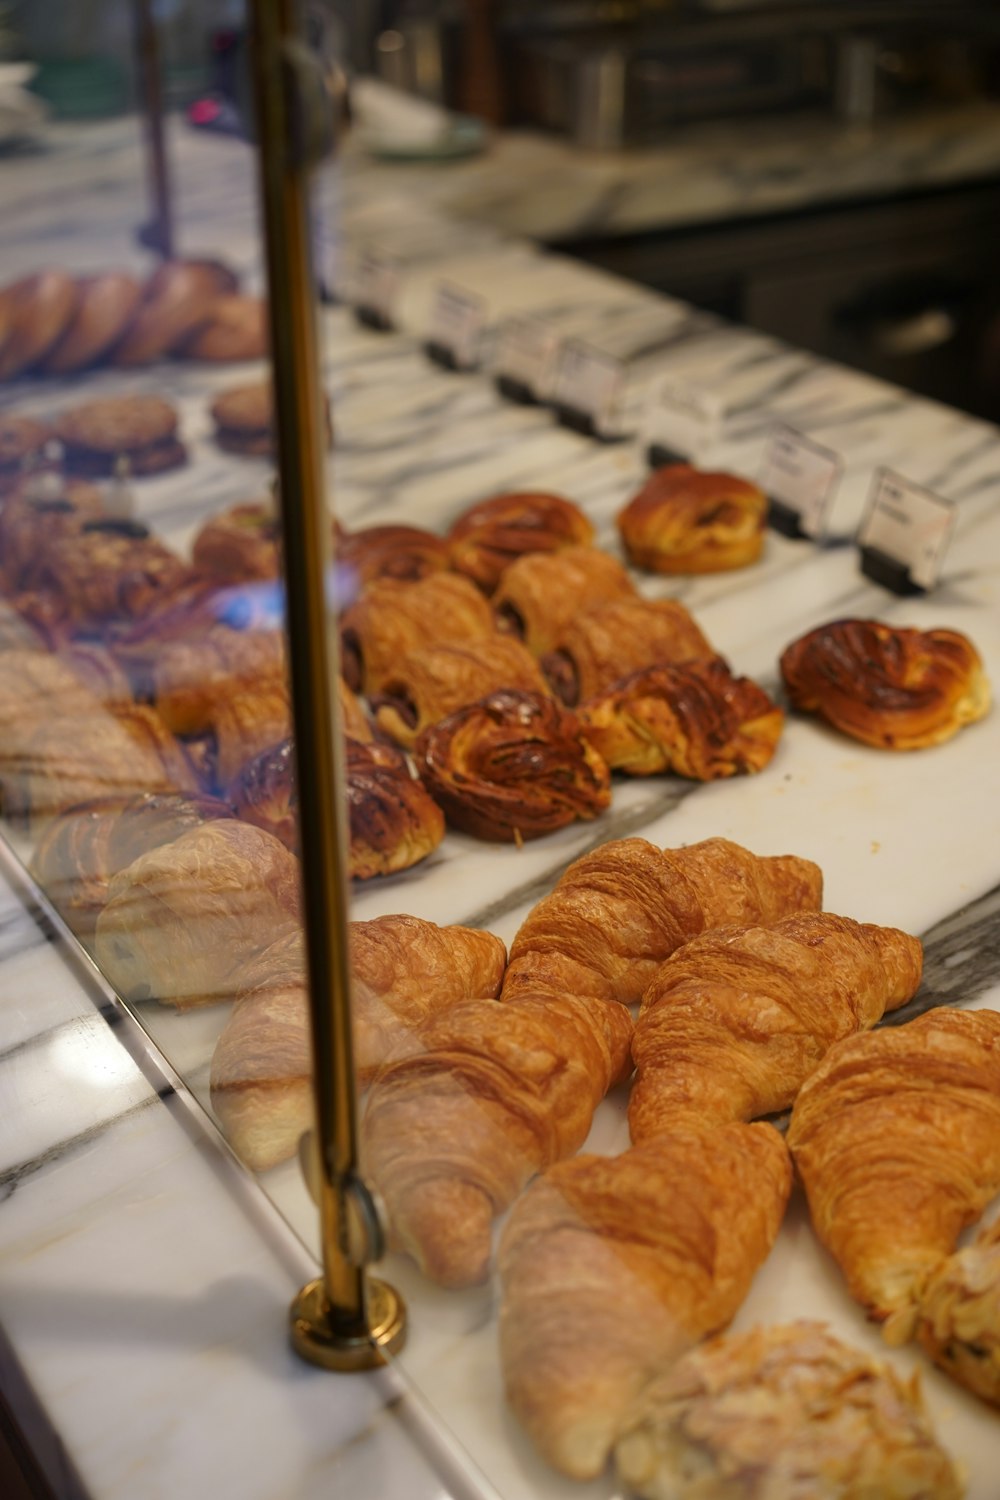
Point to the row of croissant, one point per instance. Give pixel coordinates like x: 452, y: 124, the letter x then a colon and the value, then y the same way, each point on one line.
x: 484, y: 1071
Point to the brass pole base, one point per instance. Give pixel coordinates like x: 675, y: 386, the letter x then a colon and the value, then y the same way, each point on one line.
x: 314, y: 1338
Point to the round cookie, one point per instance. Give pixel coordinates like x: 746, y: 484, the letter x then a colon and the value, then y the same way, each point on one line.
x: 243, y: 420
x: 139, y: 429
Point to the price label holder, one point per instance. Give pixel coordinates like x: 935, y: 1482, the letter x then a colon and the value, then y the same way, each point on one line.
x: 586, y: 389
x: 682, y: 422
x: 904, y: 534
x: 524, y: 361
x: 799, y: 478
x: 457, y: 324
x: 376, y: 284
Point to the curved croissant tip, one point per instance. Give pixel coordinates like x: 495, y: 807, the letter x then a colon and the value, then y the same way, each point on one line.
x: 447, y: 1228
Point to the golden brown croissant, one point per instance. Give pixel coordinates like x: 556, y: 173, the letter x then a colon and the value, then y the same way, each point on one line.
x: 239, y: 545
x: 959, y: 1324
x: 605, y: 644
x: 694, y: 719
x: 497, y: 1092
x: 430, y: 684
x: 611, y: 1267
x: 896, y: 1137
x: 736, y: 1020
x: 619, y: 911
x: 781, y: 1414
x: 36, y: 513
x: 80, y: 851
x: 182, y: 919
x: 894, y: 688
x: 393, y: 619
x: 540, y: 594
x: 403, y: 970
x: 406, y: 553
x: 492, y: 533
x: 685, y: 520
x: 513, y: 766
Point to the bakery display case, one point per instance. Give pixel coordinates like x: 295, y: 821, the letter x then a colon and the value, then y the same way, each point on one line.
x: 657, y: 812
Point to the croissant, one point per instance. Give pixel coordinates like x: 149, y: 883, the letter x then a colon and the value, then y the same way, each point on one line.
x: 540, y: 594
x: 37, y: 512
x: 393, y: 619
x: 452, y: 1133
x: 404, y: 971
x: 694, y: 719
x: 238, y: 546
x: 80, y: 851
x: 244, y: 723
x: 896, y: 689
x: 513, y: 766
x: 405, y: 553
x: 684, y: 520
x: 192, y: 677
x: 736, y: 1020
x: 182, y: 919
x: 492, y: 533
x: 605, y: 644
x: 612, y: 1267
x: 429, y: 684
x: 959, y: 1320
x: 896, y: 1138
x: 619, y: 911
x: 781, y: 1414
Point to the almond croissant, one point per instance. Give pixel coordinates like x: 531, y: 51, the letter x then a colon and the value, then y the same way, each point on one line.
x: 896, y: 1137
x: 960, y: 1315
x: 736, y: 1020
x: 612, y: 1267
x: 403, y: 972
x: 452, y: 1133
x: 619, y: 911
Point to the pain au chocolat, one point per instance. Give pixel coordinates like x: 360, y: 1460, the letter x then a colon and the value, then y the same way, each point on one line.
x: 889, y: 686
x: 603, y: 645
x: 393, y: 619
x: 542, y: 592
x: 684, y: 520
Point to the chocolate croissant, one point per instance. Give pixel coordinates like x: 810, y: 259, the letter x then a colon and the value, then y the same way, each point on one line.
x: 541, y: 593
x: 604, y: 645
x: 403, y: 970
x: 183, y: 919
x: 429, y: 684
x: 619, y: 911
x: 393, y: 619
x: 495, y: 1093
x: 612, y: 1267
x: 403, y: 553
x: 894, y: 688
x: 779, y: 1414
x: 238, y: 546
x: 685, y: 520
x: 694, y: 719
x: 493, y: 533
x: 735, y: 1021
x: 513, y: 766
x: 896, y: 1138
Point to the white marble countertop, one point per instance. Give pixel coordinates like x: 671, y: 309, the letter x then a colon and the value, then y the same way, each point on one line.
x: 144, y: 1277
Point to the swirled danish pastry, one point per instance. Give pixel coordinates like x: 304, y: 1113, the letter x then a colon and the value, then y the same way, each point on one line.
x: 491, y: 534
x: 888, y: 686
x: 684, y: 520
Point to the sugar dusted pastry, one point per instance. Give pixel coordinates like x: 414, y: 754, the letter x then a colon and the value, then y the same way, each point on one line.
x: 693, y: 719
x: 183, y: 919
x: 619, y: 911
x: 403, y: 970
x: 735, y: 1021
x: 685, y: 520
x: 886, y: 685
x: 491, y: 534
x: 540, y: 593
x: 599, y: 648
x: 431, y: 683
x: 393, y: 619
x: 783, y: 1413
x: 612, y: 1267
x: 513, y: 766
x: 896, y: 1138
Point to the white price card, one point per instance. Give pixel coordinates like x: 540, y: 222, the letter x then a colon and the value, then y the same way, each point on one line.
x: 800, y: 475
x: 587, y: 386
x: 457, y: 322
x: 525, y: 355
x: 376, y: 284
x: 682, y: 418
x: 909, y: 525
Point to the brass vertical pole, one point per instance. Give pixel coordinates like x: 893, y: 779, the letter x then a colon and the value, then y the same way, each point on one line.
x: 344, y: 1320
x: 159, y: 233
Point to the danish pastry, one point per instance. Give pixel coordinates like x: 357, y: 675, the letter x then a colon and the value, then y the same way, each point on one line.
x: 404, y: 553
x: 492, y: 533
x: 684, y: 520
